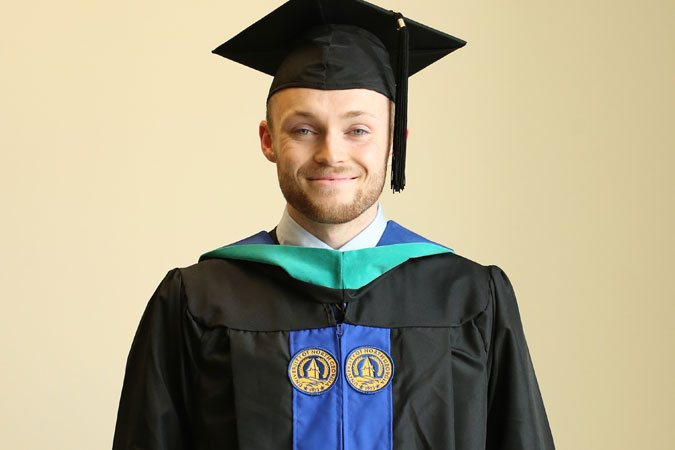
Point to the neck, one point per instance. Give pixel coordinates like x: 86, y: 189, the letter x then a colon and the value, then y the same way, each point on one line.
x: 335, y: 234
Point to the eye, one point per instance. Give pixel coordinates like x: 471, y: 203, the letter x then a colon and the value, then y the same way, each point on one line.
x: 359, y: 132
x: 303, y: 131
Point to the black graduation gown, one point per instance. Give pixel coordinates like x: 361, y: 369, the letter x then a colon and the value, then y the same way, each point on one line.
x: 243, y: 351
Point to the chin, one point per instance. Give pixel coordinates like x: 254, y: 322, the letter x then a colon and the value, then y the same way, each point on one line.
x: 333, y: 205
x: 335, y: 213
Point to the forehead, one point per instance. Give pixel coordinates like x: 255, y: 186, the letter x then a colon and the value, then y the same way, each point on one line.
x: 328, y: 102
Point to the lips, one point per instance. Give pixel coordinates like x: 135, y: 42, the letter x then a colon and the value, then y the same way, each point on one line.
x: 331, y: 181
x: 331, y: 178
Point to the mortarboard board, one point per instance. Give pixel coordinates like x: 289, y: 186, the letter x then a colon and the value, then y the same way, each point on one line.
x: 342, y: 44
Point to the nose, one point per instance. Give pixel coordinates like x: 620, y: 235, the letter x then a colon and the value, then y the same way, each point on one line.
x: 330, y: 150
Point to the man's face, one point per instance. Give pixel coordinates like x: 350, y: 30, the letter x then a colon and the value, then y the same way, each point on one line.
x: 331, y: 150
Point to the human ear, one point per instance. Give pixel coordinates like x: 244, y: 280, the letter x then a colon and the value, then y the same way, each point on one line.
x: 266, y: 141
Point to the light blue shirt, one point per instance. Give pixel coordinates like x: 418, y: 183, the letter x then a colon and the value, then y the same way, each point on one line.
x: 289, y: 232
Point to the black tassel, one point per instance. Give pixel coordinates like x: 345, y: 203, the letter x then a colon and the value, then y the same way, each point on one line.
x: 401, y: 110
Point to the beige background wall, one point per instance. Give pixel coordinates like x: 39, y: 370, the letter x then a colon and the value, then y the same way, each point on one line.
x: 545, y: 146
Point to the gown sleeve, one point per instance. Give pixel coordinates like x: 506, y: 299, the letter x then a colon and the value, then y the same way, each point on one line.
x: 516, y: 415
x: 152, y: 411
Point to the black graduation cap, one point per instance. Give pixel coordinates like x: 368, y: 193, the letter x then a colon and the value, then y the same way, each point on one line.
x: 342, y: 44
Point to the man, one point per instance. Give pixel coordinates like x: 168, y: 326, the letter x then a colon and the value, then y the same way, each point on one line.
x: 354, y: 332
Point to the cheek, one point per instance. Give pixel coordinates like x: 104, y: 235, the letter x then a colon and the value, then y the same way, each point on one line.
x: 290, y: 159
x: 376, y: 158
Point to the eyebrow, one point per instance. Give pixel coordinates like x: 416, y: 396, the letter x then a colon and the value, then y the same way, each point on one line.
x: 347, y: 115
x: 356, y: 113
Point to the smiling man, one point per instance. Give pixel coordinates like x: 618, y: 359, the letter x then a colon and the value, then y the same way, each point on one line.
x: 331, y: 148
x: 337, y: 329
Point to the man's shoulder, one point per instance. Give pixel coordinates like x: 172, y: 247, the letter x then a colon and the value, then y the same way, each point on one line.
x: 251, y: 271
x: 395, y: 233
x: 398, y: 234
x: 406, y: 246
x: 261, y: 237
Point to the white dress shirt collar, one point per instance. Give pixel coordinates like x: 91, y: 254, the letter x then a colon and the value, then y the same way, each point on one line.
x: 289, y: 232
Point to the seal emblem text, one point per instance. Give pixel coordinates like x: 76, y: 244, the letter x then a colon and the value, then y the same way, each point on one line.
x: 368, y: 369
x: 312, y: 371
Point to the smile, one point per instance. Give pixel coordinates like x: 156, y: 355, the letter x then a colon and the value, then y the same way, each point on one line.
x: 330, y: 181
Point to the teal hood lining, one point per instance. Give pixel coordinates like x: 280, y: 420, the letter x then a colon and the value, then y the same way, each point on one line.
x: 330, y: 268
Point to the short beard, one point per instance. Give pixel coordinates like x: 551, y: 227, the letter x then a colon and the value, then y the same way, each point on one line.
x: 325, y: 213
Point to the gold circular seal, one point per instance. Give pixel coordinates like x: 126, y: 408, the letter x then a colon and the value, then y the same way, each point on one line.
x: 368, y: 369
x: 313, y: 371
